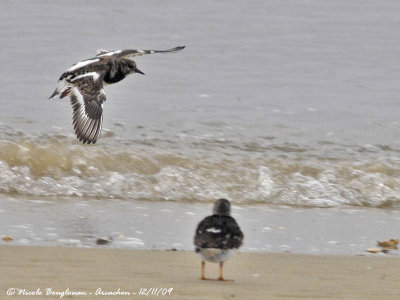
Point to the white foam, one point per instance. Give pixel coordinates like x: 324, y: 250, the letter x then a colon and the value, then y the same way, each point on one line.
x: 130, y: 241
x: 266, y: 183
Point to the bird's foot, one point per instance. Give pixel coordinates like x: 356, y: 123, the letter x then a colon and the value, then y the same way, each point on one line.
x: 223, y: 279
x: 203, y: 278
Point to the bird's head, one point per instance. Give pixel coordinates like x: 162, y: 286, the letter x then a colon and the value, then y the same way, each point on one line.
x: 129, y: 67
x: 222, y: 207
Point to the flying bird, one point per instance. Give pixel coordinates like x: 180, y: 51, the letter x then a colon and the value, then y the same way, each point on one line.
x: 217, y: 237
x: 84, y: 82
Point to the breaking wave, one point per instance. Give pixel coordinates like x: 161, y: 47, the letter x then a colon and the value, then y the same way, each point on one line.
x: 57, y: 166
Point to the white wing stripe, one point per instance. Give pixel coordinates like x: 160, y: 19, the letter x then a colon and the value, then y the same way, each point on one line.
x: 95, y: 76
x: 79, y: 96
x: 110, y: 53
x: 82, y: 64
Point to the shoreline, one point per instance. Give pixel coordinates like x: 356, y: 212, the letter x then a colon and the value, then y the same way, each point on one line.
x: 255, y: 275
x: 143, y: 226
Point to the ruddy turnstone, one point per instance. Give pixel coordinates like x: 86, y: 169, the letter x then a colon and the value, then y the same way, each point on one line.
x: 84, y: 81
x: 217, y: 237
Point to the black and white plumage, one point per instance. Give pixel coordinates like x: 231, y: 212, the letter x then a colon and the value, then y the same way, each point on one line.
x: 84, y: 81
x: 218, y: 236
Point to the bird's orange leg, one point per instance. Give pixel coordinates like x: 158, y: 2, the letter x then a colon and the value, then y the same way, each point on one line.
x: 202, y: 270
x: 221, y: 276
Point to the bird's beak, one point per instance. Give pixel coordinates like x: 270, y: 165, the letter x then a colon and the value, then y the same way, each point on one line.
x: 138, y: 71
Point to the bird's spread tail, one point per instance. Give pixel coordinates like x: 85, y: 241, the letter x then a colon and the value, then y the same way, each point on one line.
x: 63, y: 88
x: 54, y: 95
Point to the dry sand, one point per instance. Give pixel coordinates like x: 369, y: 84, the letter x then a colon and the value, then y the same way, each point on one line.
x: 255, y: 275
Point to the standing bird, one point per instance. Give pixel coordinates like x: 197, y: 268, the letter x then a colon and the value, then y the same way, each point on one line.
x: 84, y: 81
x: 217, y: 237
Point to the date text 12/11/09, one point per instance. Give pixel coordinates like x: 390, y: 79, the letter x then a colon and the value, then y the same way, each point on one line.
x: 156, y: 291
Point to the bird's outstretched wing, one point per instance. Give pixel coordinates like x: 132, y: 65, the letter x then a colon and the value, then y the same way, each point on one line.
x: 134, y: 52
x: 221, y: 232
x: 87, y: 97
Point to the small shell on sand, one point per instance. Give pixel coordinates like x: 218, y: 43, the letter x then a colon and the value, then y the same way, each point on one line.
x: 376, y: 250
x: 6, y: 238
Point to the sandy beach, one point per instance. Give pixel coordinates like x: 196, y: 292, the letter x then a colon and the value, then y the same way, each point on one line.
x: 254, y: 275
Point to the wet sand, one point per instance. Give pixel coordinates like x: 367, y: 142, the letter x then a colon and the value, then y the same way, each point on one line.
x: 255, y: 275
x: 141, y: 225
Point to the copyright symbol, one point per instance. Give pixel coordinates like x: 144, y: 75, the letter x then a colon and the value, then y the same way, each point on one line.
x: 10, y: 292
